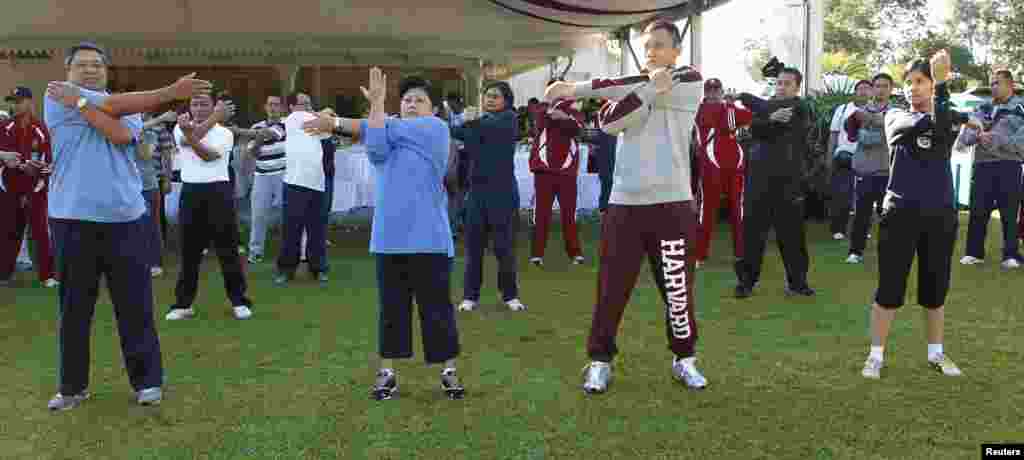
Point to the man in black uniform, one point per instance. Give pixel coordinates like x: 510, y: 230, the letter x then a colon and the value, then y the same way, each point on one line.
x: 773, y: 191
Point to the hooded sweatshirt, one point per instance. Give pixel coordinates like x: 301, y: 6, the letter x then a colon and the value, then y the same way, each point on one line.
x: 1006, y: 123
x: 652, y: 163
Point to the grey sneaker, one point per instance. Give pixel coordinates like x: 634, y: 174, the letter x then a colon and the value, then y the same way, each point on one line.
x: 688, y: 375
x: 61, y: 402
x: 872, y: 369
x: 596, y: 377
x: 451, y: 385
x: 386, y: 385
x: 281, y: 279
x: 151, y: 396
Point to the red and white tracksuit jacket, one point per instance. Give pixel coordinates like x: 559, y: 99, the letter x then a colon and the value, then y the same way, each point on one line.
x: 722, y: 166
x: 555, y: 163
x: 23, y: 197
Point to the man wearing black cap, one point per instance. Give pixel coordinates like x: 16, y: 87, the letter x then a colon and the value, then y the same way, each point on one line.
x: 96, y: 210
x: 23, y: 187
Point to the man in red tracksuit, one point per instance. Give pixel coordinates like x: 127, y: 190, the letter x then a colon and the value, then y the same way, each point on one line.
x: 555, y: 161
x: 23, y: 187
x: 721, y: 163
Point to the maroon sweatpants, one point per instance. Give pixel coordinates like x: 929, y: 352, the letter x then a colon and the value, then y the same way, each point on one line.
x: 13, y: 219
x: 547, y: 187
x: 664, y: 233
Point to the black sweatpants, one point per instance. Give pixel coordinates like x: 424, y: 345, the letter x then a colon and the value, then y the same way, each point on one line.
x: 87, y: 251
x: 494, y: 227
x: 773, y: 202
x: 928, y: 234
x: 994, y: 185
x: 870, y: 193
x: 426, y: 278
x: 208, y: 215
x: 305, y: 209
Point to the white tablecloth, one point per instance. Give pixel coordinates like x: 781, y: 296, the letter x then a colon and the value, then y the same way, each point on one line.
x: 354, y: 180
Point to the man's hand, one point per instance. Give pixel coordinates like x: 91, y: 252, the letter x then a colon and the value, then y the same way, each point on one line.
x: 322, y: 124
x: 559, y: 90
x: 782, y: 115
x: 63, y: 92
x: 188, y: 86
x: 169, y: 116
x: 985, y: 139
x: 41, y: 167
x: 471, y: 113
x: 223, y: 111
x: 941, y: 65
x: 186, y: 124
x: 662, y: 79
x: 377, y: 94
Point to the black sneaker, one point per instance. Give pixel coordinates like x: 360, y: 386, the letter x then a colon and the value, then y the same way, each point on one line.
x: 804, y: 291
x: 451, y: 386
x: 386, y: 386
x: 743, y: 291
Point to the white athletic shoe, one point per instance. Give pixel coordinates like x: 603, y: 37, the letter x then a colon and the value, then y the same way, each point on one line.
x: 699, y: 264
x: 971, y: 260
x: 177, y: 314
x: 156, y: 272
x: 942, y: 363
x: 242, y: 312
x: 854, y: 259
x: 688, y: 374
x: 537, y: 261
x: 596, y: 377
x: 872, y: 369
x: 51, y: 283
x: 515, y: 305
x: 1011, y: 264
x: 838, y: 236
x: 578, y: 260
x: 467, y: 305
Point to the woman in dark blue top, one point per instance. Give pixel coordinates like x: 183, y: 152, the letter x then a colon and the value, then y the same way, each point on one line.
x: 919, y: 214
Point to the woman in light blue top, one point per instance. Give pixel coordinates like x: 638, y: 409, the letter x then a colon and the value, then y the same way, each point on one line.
x: 411, y: 235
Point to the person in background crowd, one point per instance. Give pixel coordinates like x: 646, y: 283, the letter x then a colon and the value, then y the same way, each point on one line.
x: 843, y: 149
x: 161, y: 126
x: 268, y: 185
x: 148, y: 170
x: 998, y: 154
x: 23, y: 188
x: 555, y: 162
x: 493, y: 202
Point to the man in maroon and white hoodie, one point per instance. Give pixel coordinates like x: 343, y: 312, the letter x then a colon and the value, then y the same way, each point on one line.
x: 555, y: 163
x: 651, y: 212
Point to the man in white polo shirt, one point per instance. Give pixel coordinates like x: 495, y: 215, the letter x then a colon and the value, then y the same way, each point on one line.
x: 208, y: 214
x: 305, y: 195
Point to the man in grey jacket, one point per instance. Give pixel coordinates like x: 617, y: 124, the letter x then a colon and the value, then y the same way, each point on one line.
x: 998, y: 154
x: 866, y: 127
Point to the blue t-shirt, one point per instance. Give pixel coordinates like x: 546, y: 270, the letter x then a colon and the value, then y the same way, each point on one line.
x: 410, y: 159
x: 93, y: 179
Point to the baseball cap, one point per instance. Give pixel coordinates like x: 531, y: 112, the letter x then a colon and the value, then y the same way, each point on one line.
x: 713, y: 83
x: 18, y: 93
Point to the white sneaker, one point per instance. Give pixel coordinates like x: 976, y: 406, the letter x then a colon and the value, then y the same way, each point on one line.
x: 156, y: 272
x: 699, y: 264
x: 872, y: 369
x: 51, y: 283
x: 242, y: 312
x: 515, y: 305
x: 537, y: 261
x: 596, y: 377
x: 578, y: 260
x: 180, y: 313
x: 854, y: 259
x: 942, y: 363
x: 1011, y: 264
x: 838, y: 236
x: 688, y: 374
x: 971, y: 260
x: 467, y: 305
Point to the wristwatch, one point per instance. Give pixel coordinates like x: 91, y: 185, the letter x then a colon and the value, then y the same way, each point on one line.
x: 337, y: 123
x: 82, y: 102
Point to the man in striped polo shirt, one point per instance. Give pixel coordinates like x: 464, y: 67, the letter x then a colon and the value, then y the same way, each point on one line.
x: 267, y: 186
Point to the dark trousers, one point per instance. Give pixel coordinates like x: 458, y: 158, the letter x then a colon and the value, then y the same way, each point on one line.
x: 842, y: 197
x: 425, y: 278
x: 87, y: 251
x: 548, y: 187
x: 152, y: 221
x: 208, y: 215
x: 13, y: 219
x: 994, y: 185
x: 666, y: 234
x: 773, y: 202
x: 870, y: 193
x: 494, y: 225
x: 904, y: 233
x: 303, y: 211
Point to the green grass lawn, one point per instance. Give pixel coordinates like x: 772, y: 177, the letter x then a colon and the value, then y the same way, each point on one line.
x: 293, y: 381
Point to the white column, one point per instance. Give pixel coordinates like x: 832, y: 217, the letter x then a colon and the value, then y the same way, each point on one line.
x: 696, y: 41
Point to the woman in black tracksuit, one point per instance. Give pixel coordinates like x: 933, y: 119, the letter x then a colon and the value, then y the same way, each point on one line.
x: 919, y: 213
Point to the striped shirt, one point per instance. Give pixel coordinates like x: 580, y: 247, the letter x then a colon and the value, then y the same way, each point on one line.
x: 271, y: 158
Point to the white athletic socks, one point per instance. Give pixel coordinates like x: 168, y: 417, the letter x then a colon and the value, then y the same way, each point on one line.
x: 877, y: 353
x: 934, y: 351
